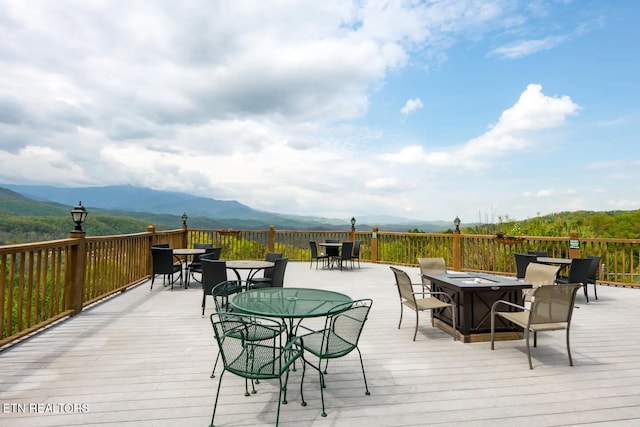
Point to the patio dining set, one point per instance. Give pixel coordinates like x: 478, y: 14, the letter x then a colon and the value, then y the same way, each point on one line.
x: 336, y: 254
x: 261, y: 330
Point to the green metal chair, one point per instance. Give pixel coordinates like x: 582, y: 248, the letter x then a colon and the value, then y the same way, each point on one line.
x: 250, y: 359
x: 339, y: 337
x: 221, y: 293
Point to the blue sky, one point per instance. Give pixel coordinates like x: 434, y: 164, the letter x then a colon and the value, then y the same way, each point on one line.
x: 483, y: 109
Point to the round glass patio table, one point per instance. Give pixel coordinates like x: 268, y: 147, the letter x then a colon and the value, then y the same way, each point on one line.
x: 288, y: 304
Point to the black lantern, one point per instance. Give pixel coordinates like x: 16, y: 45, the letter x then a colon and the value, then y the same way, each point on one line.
x: 457, y: 223
x: 78, y: 214
x: 184, y: 219
x: 353, y: 223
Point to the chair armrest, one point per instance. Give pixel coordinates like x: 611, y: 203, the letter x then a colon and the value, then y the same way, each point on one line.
x: 447, y: 296
x: 495, y: 304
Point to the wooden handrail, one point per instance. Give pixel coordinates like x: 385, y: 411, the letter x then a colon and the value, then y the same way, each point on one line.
x: 42, y: 282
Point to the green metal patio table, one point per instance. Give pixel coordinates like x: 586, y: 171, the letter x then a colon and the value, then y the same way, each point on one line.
x: 289, y: 304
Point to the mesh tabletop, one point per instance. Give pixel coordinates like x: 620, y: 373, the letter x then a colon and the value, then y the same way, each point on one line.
x: 288, y: 302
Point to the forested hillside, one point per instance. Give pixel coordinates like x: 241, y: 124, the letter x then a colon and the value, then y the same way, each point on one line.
x: 612, y: 224
x: 24, y: 220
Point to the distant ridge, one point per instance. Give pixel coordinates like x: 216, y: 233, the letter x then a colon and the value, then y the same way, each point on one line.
x: 126, y: 198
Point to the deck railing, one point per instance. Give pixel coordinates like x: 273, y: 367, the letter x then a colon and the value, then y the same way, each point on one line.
x: 47, y: 281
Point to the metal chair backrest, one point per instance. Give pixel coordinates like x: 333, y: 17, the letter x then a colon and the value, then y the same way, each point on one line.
x: 579, y: 270
x: 347, y: 321
x: 314, y: 249
x: 271, y: 257
x: 356, y: 248
x: 347, y: 251
x: 162, y: 260
x: 234, y: 335
x: 595, y: 266
x: 553, y: 304
x: 277, y: 281
x: 522, y: 261
x: 213, y: 272
x: 541, y: 274
x: 405, y: 288
x: 431, y: 266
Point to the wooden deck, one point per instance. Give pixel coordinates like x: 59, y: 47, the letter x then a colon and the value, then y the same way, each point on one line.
x: 144, y: 358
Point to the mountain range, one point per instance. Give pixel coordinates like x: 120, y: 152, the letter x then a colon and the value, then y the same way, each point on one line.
x: 126, y: 200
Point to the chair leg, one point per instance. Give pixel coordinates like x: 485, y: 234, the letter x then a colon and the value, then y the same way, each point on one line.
x: 595, y: 291
x: 366, y: 387
x: 526, y: 337
x: 153, y: 277
x: 215, y: 405
x: 586, y: 294
x: 401, y: 311
x: 493, y: 328
x: 213, y: 372
x: 569, y: 348
x: 415, y: 333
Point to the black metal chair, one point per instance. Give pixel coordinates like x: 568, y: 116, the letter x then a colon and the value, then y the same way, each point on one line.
x: 253, y: 360
x: 579, y: 272
x: 277, y: 279
x: 339, y: 337
x: 522, y: 261
x: 318, y: 256
x: 594, y: 273
x: 163, y: 262
x: 346, y: 255
x: 213, y: 272
x: 332, y: 251
x: 195, y: 266
x: 356, y: 252
x: 267, y: 278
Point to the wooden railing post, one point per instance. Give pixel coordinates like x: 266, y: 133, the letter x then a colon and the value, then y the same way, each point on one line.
x: 74, y: 279
x: 153, y: 239
x: 574, y: 245
x: 457, y: 253
x: 374, y: 244
x: 185, y: 235
x: 271, y: 243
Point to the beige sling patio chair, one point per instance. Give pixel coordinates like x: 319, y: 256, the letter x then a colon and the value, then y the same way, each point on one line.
x: 431, y: 266
x: 426, y: 302
x: 551, y: 310
x: 539, y: 275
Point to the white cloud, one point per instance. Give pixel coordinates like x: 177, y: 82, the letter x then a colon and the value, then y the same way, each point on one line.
x: 411, y: 106
x: 523, y: 48
x: 276, y: 104
x: 513, y: 132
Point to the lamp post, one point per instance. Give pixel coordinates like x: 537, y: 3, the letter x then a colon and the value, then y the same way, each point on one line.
x: 78, y: 215
x: 353, y: 229
x: 184, y: 219
x: 457, y: 253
